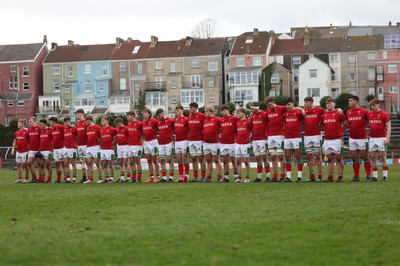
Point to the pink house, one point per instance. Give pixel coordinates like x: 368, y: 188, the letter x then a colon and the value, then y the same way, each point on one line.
x: 21, y: 79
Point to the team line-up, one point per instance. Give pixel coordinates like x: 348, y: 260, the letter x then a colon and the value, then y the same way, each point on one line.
x: 273, y: 135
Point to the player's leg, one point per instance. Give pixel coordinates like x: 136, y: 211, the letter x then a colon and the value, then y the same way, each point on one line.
x: 331, y: 166
x: 367, y: 163
x: 218, y: 166
x: 155, y: 159
x: 385, y: 167
x: 340, y: 166
x: 288, y: 161
x: 354, y: 154
x: 298, y: 153
x: 247, y: 169
x: 149, y: 159
x: 239, y: 167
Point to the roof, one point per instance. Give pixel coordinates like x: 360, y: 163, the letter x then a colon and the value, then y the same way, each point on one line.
x: 75, y: 53
x: 244, y: 69
x: 289, y: 46
x: 125, y: 51
x: 118, y: 94
x: 204, y: 47
x: 15, y: 96
x: 259, y: 44
x: 99, y: 111
x: 20, y: 52
x: 166, y: 49
x: 346, y: 44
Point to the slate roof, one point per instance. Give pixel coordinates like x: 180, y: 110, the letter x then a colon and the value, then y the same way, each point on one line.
x: 75, y: 53
x: 258, y: 46
x: 346, y: 44
x: 14, y: 96
x: 289, y: 46
x: 19, y: 52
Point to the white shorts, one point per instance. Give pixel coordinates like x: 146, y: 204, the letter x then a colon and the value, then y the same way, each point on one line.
x: 122, y: 151
x: 242, y: 150
x: 82, y: 151
x: 20, y: 157
x: 165, y: 150
x: 151, y: 147
x: 181, y: 146
x: 312, y: 141
x: 292, y: 144
x: 196, y: 147
x: 227, y: 149
x: 107, y: 155
x: 377, y: 144
x: 31, y: 154
x: 70, y: 153
x: 333, y: 146
x: 58, y: 155
x: 93, y: 152
x: 275, y: 142
x: 212, y: 148
x: 358, y: 144
x: 135, y: 151
x: 47, y: 155
x: 260, y: 147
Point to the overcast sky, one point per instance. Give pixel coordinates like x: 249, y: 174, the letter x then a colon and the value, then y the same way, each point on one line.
x: 99, y: 21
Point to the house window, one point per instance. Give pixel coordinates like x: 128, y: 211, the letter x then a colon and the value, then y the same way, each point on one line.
x: 296, y: 75
x: 296, y: 60
x: 392, y: 68
x: 139, y: 68
x: 137, y: 86
x: 56, y: 70
x: 275, y: 78
x: 371, y: 73
x: 66, y: 103
x: 313, y: 92
x: 333, y: 57
x: 66, y: 89
x: 122, y: 84
x: 256, y: 61
x: 173, y: 85
x: 212, y: 66
x: 158, y: 65
x: 13, y: 83
x: 101, y: 102
x: 173, y: 99
x: 240, y: 62
x: 70, y: 71
x: 211, y: 98
x: 88, y: 69
x: 188, y: 96
x: 195, y: 81
x: 56, y: 85
x: 384, y: 54
x: 379, y: 73
x: 13, y: 68
x: 10, y: 103
x: 159, y: 82
x: 101, y: 87
x: 371, y: 57
x: 393, y: 109
x: 335, y: 92
x: 21, y: 103
x: 249, y: 40
x: 26, y: 86
x: 122, y: 67
x: 136, y: 49
x: 155, y: 98
x: 393, y: 89
x: 352, y: 58
x: 313, y: 73
x: 211, y: 83
x: 334, y: 74
x: 88, y: 86
x: 173, y: 67
x: 195, y: 63
x: 243, y: 95
x: 25, y: 71
x: 352, y: 76
x: 274, y: 93
x: 104, y: 70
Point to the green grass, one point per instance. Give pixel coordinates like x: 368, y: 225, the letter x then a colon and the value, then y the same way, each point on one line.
x: 200, y: 224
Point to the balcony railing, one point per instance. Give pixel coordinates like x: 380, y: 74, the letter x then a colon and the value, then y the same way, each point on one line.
x: 155, y: 86
x: 49, y: 109
x: 193, y: 85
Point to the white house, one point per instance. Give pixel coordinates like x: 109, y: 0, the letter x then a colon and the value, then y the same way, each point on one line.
x: 314, y: 80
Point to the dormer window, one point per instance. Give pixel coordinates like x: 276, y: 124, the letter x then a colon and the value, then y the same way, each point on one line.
x: 249, y: 41
x: 136, y: 49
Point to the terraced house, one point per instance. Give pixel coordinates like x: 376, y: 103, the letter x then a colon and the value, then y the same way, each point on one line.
x: 20, y: 79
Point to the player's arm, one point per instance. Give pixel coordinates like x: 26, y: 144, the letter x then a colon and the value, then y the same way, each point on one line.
x: 388, y: 131
x: 14, y: 146
x: 345, y: 125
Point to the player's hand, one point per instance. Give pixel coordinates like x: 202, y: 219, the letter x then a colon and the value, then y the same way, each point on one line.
x: 340, y: 111
x: 12, y: 152
x: 387, y: 140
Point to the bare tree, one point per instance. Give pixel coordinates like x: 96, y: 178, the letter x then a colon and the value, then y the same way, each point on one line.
x: 207, y: 28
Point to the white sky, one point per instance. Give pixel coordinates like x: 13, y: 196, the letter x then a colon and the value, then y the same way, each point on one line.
x: 99, y: 21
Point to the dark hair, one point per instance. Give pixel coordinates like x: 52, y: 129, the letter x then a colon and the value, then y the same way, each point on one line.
x: 80, y: 111
x: 225, y: 107
x: 375, y: 101
x: 43, y: 121
x: 88, y: 117
x: 195, y: 105
x: 289, y: 100
x: 67, y: 118
x: 355, y: 98
x: 256, y: 104
x: 159, y: 111
x: 147, y: 110
x: 309, y: 99
x: 180, y: 107
x: 118, y: 120
x: 131, y: 113
x: 269, y: 100
x: 241, y: 109
x: 54, y: 119
x: 105, y: 117
x: 331, y: 100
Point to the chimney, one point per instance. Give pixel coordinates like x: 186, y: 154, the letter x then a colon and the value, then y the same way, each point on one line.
x: 306, y: 36
x: 398, y: 24
x: 255, y: 32
x: 350, y: 24
x: 70, y: 43
x: 330, y: 26
x: 129, y: 40
x: 272, y: 36
x: 53, y: 46
x: 188, y: 41
x: 390, y: 23
x: 45, y: 39
x: 154, y: 41
x: 118, y: 42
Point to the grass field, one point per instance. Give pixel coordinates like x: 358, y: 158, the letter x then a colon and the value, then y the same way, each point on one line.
x: 200, y: 224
